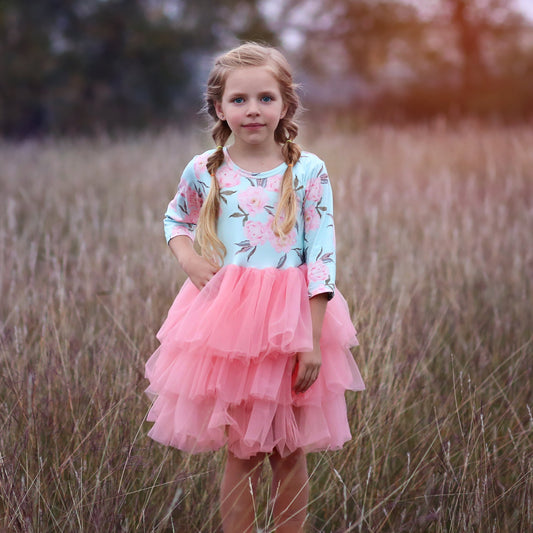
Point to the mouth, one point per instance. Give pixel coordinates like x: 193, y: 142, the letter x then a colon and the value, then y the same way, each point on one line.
x: 253, y: 125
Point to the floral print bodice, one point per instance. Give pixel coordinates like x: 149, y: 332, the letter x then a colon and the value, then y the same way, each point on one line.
x: 247, y: 207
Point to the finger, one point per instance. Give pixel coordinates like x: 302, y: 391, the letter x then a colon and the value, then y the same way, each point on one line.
x: 300, y: 373
x: 206, y: 280
x: 309, y: 381
x: 303, y: 379
x: 310, y: 378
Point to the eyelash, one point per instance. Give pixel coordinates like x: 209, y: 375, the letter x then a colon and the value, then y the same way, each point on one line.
x: 263, y: 99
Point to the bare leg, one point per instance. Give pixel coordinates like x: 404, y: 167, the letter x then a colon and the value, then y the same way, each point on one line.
x: 236, y: 500
x: 290, y: 491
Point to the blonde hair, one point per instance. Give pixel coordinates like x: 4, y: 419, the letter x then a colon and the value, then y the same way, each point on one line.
x: 249, y: 55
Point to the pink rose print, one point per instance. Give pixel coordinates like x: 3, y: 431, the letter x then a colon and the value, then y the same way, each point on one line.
x: 256, y: 232
x: 317, y: 271
x: 227, y: 177
x: 311, y: 219
x: 194, y: 203
x: 285, y: 243
x: 274, y: 183
x: 314, y: 190
x: 253, y: 199
x: 200, y: 164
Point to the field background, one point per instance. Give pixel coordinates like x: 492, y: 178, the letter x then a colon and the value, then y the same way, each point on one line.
x: 435, y: 258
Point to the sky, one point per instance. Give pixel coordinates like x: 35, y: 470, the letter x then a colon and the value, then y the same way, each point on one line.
x: 526, y: 6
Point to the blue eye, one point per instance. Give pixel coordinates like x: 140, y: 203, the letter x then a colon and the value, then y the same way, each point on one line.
x: 238, y: 100
x: 267, y: 99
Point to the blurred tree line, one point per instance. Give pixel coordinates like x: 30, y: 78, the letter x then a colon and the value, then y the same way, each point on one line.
x: 85, y: 65
x: 459, y: 58
x: 70, y: 66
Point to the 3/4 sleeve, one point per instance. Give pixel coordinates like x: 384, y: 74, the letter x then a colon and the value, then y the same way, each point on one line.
x: 319, y: 234
x: 183, y: 210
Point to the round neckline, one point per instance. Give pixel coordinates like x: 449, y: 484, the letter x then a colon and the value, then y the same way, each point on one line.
x: 257, y: 175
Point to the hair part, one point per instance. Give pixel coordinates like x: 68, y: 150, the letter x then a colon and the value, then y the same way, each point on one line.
x: 249, y: 55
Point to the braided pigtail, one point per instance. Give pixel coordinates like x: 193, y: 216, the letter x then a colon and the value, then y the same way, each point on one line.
x: 211, y: 246
x: 285, y: 216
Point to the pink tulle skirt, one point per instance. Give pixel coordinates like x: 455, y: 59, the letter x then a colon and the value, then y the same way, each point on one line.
x: 224, y: 370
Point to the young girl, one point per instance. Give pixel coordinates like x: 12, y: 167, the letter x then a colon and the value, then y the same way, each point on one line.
x: 255, y: 349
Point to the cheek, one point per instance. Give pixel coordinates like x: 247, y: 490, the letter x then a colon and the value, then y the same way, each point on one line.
x: 231, y: 117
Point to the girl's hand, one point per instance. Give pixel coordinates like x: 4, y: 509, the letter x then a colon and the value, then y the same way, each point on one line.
x: 307, y: 366
x: 198, y: 268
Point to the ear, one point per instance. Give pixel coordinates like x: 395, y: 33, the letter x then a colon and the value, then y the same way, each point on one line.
x: 218, y: 109
x: 284, y: 111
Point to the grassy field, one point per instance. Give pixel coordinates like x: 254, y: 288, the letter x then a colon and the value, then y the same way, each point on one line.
x: 435, y: 249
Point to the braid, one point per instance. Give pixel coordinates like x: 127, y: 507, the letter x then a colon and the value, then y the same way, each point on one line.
x: 285, y: 216
x: 221, y: 133
x: 211, y: 246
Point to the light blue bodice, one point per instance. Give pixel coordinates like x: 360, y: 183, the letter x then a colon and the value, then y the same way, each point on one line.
x: 248, y: 204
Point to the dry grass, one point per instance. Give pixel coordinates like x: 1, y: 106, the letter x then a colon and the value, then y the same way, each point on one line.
x: 434, y: 231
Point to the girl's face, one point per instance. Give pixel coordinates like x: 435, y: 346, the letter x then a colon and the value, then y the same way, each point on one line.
x: 252, y: 106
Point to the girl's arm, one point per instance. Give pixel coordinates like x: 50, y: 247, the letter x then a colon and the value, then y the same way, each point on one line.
x: 199, y: 270
x: 307, y: 364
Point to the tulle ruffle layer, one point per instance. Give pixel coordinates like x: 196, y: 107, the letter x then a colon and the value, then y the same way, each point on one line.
x: 224, y: 370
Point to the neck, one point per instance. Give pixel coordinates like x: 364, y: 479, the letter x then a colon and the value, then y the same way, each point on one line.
x: 256, y: 150
x: 256, y: 158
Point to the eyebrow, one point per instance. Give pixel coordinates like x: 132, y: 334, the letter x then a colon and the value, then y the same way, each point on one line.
x: 234, y: 95
x: 241, y: 94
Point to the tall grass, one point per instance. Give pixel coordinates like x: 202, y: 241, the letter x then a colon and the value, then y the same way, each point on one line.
x: 435, y: 250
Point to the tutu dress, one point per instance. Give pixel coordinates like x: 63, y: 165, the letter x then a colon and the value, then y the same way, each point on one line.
x: 223, y: 373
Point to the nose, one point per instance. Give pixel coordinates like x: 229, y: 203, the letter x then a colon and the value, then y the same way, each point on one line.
x: 253, y: 108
